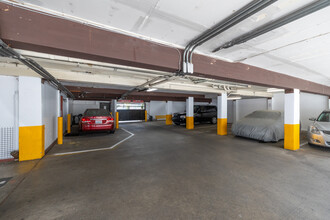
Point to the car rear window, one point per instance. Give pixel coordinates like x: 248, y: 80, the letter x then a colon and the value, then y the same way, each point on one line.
x: 96, y: 112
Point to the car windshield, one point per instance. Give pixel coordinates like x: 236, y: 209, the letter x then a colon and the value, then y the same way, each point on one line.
x: 96, y: 112
x: 196, y: 108
x: 324, y: 117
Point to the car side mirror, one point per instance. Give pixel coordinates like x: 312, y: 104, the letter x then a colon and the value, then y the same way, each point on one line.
x: 312, y: 119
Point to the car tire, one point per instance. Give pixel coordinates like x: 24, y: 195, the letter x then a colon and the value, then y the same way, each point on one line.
x: 213, y: 120
x: 112, y: 131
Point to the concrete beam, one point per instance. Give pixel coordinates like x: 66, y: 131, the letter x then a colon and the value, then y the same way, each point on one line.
x: 29, y: 30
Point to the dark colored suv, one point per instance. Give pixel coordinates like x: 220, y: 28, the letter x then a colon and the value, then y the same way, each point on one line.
x: 202, y: 113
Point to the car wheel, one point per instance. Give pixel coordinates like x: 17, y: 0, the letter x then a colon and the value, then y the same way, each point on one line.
x: 112, y: 131
x: 214, y: 120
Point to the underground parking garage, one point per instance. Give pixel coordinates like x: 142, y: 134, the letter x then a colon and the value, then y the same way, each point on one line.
x: 164, y: 110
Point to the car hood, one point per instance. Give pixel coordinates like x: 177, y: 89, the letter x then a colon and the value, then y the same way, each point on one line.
x: 322, y: 125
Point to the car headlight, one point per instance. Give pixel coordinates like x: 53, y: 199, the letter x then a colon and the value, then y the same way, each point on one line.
x: 182, y: 116
x: 314, y: 130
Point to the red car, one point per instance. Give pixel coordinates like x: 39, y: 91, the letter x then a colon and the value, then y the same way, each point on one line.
x: 97, y: 120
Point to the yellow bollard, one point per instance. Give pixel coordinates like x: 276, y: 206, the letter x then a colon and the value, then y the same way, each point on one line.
x: 60, y: 130
x: 190, y: 122
x: 168, y: 120
x: 117, y: 120
x: 222, y: 126
x: 145, y: 116
x: 69, y: 123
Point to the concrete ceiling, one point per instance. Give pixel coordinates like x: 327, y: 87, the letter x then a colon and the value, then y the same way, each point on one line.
x: 299, y: 49
x: 87, y: 73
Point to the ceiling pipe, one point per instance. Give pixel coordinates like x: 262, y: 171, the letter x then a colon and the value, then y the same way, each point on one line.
x: 149, y: 83
x: 302, y: 12
x: 6, y: 51
x: 236, y: 17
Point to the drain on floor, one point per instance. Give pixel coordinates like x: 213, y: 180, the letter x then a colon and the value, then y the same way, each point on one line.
x: 3, y: 181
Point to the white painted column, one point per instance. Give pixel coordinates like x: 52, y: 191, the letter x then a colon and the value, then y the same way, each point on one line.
x: 169, y: 111
x: 270, y: 104
x: 329, y: 103
x: 31, y: 128
x: 190, y: 113
x: 292, y: 119
x: 222, y: 114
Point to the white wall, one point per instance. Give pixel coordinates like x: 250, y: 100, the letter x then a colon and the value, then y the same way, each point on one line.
x: 311, y: 106
x: 50, y: 108
x: 79, y: 107
x: 157, y: 108
x: 179, y: 107
x: 8, y: 87
x: 8, y: 116
x: 247, y: 106
x: 30, y: 109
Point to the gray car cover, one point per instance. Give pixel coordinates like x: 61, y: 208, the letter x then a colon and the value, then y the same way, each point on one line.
x: 261, y: 125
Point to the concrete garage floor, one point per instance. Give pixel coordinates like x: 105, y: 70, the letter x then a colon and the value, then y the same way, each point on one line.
x: 168, y: 172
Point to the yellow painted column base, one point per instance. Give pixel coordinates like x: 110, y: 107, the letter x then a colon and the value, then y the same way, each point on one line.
x: 190, y: 122
x: 60, y: 130
x: 31, y: 142
x: 222, y: 126
x: 169, y: 120
x: 69, y: 124
x: 117, y: 120
x: 291, y: 137
x: 145, y: 116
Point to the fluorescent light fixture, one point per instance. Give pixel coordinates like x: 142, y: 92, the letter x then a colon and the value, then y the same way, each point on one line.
x: 151, y: 89
x: 234, y: 98
x: 275, y: 90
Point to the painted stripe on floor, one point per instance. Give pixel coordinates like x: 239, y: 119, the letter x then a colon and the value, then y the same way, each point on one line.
x: 98, y: 149
x: 303, y: 144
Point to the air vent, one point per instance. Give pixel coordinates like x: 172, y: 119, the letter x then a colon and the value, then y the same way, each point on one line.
x: 6, y: 142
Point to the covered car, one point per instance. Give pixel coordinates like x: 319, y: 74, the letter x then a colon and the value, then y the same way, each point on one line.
x: 267, y: 126
x: 319, y: 132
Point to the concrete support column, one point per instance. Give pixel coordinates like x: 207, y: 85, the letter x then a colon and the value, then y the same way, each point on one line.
x: 190, y: 113
x: 60, y: 130
x: 68, y: 123
x: 222, y: 114
x: 31, y: 129
x: 292, y: 119
x: 169, y: 111
x: 329, y: 103
x: 114, y: 112
x: 270, y: 104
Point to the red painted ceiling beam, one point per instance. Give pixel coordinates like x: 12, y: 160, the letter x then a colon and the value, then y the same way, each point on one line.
x: 109, y: 97
x: 29, y: 30
x: 119, y: 92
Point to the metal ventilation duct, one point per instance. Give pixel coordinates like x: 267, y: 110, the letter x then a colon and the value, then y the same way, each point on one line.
x: 309, y: 9
x: 240, y: 15
x: 6, y: 51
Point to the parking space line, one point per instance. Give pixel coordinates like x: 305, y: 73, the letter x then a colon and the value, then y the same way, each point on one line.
x: 98, y: 149
x: 303, y: 144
